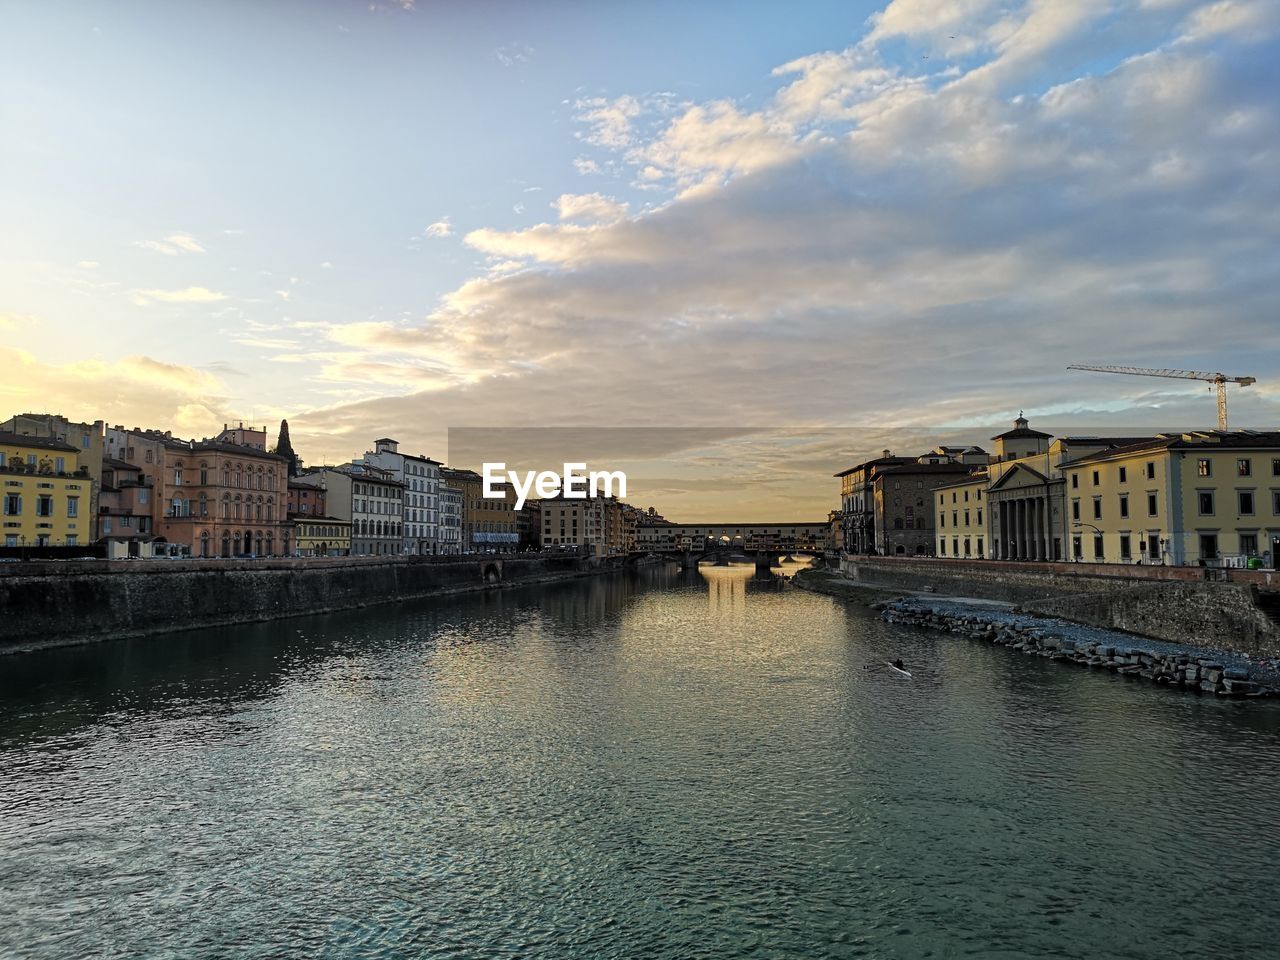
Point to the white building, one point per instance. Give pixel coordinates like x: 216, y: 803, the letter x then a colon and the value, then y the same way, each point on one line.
x: 421, y: 479
x: 450, y: 528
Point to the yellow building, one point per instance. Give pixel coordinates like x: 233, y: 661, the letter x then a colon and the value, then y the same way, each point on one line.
x: 961, y: 509
x: 321, y: 536
x: 1193, y: 498
x: 47, y: 493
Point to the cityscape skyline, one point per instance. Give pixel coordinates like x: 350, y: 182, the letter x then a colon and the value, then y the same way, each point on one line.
x: 892, y: 215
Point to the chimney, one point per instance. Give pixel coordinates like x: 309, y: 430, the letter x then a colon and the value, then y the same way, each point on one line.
x: 887, y: 453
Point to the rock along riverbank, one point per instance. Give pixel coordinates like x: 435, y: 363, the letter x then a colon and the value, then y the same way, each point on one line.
x: 1222, y: 673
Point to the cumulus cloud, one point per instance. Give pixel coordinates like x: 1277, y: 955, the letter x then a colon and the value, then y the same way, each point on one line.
x: 877, y: 244
x: 133, y: 390
x: 591, y: 207
x: 441, y: 228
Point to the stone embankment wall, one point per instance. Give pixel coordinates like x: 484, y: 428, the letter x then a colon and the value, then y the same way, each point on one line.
x: 1168, y: 603
x: 1184, y: 671
x: 43, y: 604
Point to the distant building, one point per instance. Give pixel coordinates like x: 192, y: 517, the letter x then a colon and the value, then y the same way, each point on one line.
x: 450, y: 526
x: 902, y: 500
x: 420, y: 477
x: 488, y: 523
x: 45, y: 492
x: 87, y: 438
x: 377, y: 511
x: 858, y: 504
x: 1207, y: 497
x: 126, y: 508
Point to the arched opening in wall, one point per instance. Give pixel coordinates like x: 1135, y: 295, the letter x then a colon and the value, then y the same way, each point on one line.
x: 248, y: 542
x: 204, y: 544
x: 901, y: 549
x: 492, y: 573
x: 226, y: 545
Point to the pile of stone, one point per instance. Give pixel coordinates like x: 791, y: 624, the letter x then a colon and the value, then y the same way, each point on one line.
x: 1186, y: 671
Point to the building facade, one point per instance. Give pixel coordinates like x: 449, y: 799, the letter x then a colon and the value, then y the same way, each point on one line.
x: 87, y: 438
x: 377, y: 511
x: 126, y: 507
x: 420, y: 477
x: 45, y: 493
x: 903, y: 500
x: 857, y: 501
x: 450, y: 528
x: 1203, y: 498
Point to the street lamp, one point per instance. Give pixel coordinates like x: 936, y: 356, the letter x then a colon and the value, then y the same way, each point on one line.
x: 1081, y: 523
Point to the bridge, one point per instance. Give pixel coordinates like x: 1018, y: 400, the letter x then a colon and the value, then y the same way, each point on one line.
x: 762, y: 542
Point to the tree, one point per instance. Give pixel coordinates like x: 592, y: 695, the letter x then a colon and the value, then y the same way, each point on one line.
x: 285, y: 449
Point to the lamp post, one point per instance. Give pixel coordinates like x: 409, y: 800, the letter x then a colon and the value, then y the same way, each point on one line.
x: 1081, y: 523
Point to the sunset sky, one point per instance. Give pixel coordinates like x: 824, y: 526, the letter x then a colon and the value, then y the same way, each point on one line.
x: 811, y: 228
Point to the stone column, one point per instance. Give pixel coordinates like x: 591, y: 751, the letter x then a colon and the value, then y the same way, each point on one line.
x: 1021, y: 510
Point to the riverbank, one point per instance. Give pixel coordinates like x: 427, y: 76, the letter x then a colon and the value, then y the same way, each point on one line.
x: 1228, y: 673
x: 1175, y: 604
x: 63, y: 604
x: 835, y: 585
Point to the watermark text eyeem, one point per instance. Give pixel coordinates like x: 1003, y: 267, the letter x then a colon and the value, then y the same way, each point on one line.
x: 575, y: 483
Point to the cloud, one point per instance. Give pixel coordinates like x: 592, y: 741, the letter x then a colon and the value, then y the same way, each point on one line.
x: 513, y: 54
x: 132, y: 390
x: 1247, y: 21
x: 18, y: 321
x: 441, y: 228
x: 88, y: 264
x: 185, y: 295
x: 610, y: 120
x: 590, y: 207
x: 174, y: 245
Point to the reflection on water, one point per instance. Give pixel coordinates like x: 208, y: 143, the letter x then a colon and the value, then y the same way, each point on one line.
x: 702, y: 764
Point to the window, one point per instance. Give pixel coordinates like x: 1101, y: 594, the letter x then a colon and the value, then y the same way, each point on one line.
x: 1244, y: 467
x: 11, y: 539
x: 966, y: 518
x: 1244, y: 499
x: 1097, y: 546
x: 72, y: 540
x: 979, y: 523
x: 1124, y: 475
x: 1124, y: 506
x: 1204, y: 467
x: 1153, y: 547
x: 1126, y: 550
x: 60, y: 464
x: 942, y: 518
x: 1249, y: 544
x: 13, y: 504
x: 1152, y: 504
x: 1151, y: 470
x: 44, y: 505
x: 979, y: 546
x: 73, y: 506
x: 1097, y: 478
x: 1097, y: 508
x: 1075, y: 481
x: 1275, y: 502
x: 942, y: 546
x: 1208, y: 546
x: 1275, y: 467
x: 1205, y: 501
x: 1075, y: 510
x: 1077, y: 550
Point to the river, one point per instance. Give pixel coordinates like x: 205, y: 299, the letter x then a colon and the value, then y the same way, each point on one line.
x: 655, y: 765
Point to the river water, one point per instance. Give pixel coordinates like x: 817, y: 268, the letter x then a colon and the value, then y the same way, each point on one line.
x: 653, y: 765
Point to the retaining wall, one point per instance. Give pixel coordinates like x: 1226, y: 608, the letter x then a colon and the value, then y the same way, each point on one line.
x: 1168, y: 603
x: 46, y: 605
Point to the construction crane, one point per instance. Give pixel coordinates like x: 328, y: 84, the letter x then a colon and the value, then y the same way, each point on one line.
x: 1219, y: 380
